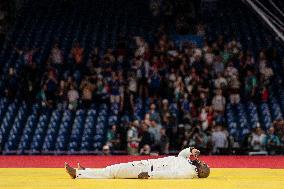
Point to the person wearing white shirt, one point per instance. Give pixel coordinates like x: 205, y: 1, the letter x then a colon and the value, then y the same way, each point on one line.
x: 257, y: 139
x: 56, y: 55
x: 219, y: 102
x: 219, y: 139
x: 184, y: 166
x: 73, y: 97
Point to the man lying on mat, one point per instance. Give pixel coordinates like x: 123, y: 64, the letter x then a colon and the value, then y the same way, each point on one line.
x: 185, y: 166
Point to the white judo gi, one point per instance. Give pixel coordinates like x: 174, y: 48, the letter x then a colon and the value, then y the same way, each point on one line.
x: 170, y: 167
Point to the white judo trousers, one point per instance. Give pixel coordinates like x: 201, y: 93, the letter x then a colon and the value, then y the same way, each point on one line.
x: 170, y: 167
x: 122, y: 170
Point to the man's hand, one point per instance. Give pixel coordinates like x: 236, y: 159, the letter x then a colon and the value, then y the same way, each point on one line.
x: 143, y: 175
x: 194, y: 154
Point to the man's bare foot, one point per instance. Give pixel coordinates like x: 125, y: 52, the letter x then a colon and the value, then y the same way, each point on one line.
x: 80, y: 167
x: 71, y: 171
x: 143, y: 175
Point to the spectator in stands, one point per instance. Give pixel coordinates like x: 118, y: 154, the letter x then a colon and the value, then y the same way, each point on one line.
x: 220, y: 82
x: 153, y: 113
x: 145, y: 150
x: 56, y: 56
x: 11, y: 84
x: 87, y: 88
x: 185, y: 106
x: 113, y: 138
x: 165, y: 107
x: 127, y: 102
x: 145, y: 135
x: 94, y: 60
x: 101, y: 89
x: 154, y: 84
x: 132, y: 86
x: 142, y: 74
x: 264, y: 94
x: 163, y: 144
x: 61, y: 94
x: 41, y: 96
x: 77, y: 56
x: 279, y: 130
x: 234, y: 46
x: 26, y: 56
x: 218, y: 65
x: 141, y: 45
x: 265, y: 71
x: 234, y: 89
x: 114, y: 85
x: 27, y: 90
x: 231, y: 71
x: 203, y: 118
x: 56, y: 59
x: 73, y: 97
x: 198, y: 138
x: 51, y: 87
x: 106, y: 150
x: 226, y: 56
x: 257, y: 139
x: 219, y: 102
x: 271, y: 141
x: 154, y: 130
x: 250, y: 84
x: 179, y: 89
x: 219, y: 139
x: 132, y: 138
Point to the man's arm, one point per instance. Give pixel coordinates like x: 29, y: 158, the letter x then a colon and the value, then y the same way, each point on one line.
x: 172, y: 174
x: 186, y: 153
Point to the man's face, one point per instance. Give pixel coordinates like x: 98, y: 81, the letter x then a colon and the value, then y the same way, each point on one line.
x: 258, y: 131
x: 153, y: 123
x: 218, y: 128
x: 197, y: 163
x: 163, y: 131
x: 106, y: 151
x: 271, y: 130
x: 202, y: 168
x: 144, y: 127
x: 11, y: 71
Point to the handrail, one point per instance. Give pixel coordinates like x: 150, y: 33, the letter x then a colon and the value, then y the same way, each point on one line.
x: 262, y: 15
x: 271, y: 14
x: 273, y: 4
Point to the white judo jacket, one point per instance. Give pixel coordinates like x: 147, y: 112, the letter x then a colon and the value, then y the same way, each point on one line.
x: 171, y: 167
x: 179, y: 167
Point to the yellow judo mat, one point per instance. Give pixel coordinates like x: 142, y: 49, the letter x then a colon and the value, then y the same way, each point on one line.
x: 54, y: 178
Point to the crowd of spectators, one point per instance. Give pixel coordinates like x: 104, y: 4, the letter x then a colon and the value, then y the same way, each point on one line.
x: 270, y: 141
x: 200, y: 81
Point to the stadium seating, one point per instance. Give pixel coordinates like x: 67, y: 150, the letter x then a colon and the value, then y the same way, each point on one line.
x: 32, y: 129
